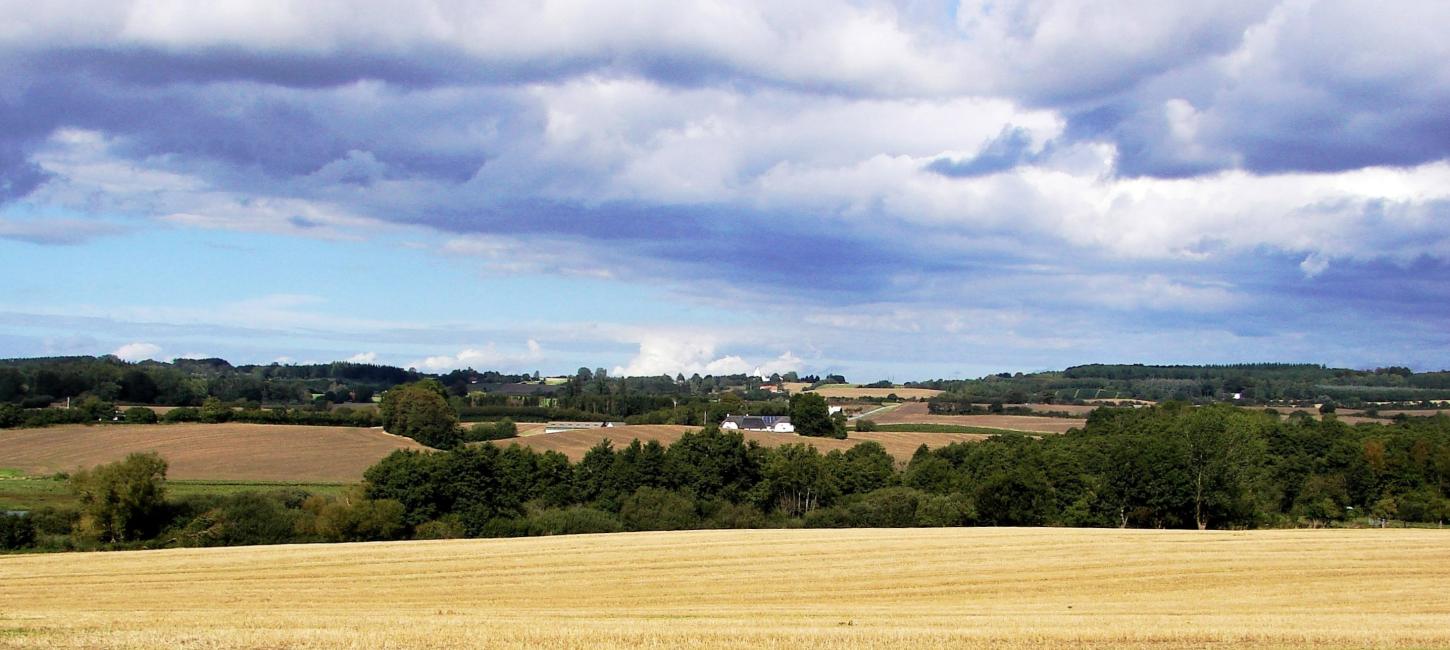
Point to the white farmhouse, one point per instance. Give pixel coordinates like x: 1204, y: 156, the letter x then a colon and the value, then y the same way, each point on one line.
x: 776, y: 423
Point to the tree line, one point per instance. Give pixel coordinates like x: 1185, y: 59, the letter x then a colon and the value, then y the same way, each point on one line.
x: 1169, y: 466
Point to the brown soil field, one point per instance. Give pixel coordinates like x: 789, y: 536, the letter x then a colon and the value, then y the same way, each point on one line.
x: 237, y: 452
x: 916, y: 413
x: 853, y: 392
x: 1003, y: 588
x: 575, y: 444
x: 1413, y: 413
x: 849, y: 392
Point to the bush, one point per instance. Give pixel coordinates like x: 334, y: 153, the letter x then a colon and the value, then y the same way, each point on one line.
x: 246, y: 518
x: 577, y: 520
x: 887, y: 508
x: 10, y: 416
x: 937, y: 510
x: 182, y: 414
x: 501, y: 430
x: 865, y: 425
x: 353, y: 518
x: 658, y: 509
x: 449, y: 527
x: 16, y: 532
x: 140, y: 415
x: 724, y: 514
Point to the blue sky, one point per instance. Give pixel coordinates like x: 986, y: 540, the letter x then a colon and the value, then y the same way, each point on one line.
x: 886, y: 190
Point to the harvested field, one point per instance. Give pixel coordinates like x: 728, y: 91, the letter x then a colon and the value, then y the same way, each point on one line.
x: 855, y: 392
x: 916, y: 413
x: 908, y: 588
x: 226, y: 452
x: 575, y: 444
x: 1421, y: 413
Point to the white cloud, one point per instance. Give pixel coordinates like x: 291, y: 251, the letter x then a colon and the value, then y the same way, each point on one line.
x: 486, y: 357
x: 137, y: 351
x: 363, y: 357
x: 669, y: 354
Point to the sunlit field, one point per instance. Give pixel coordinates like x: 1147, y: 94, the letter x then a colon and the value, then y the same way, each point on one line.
x: 971, y: 587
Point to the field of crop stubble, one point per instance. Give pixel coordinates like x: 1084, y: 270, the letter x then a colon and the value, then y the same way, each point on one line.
x: 985, y: 587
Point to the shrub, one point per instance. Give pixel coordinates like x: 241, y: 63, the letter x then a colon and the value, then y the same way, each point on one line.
x: 10, y: 416
x: 577, y: 520
x: 182, y: 414
x: 240, y: 519
x: 450, y: 527
x: 724, y: 514
x: 938, y: 510
x: 657, y: 509
x: 354, y: 518
x: 865, y: 425
x: 16, y: 532
x: 140, y: 415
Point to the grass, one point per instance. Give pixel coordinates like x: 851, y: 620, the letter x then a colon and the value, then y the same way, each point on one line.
x: 944, y: 428
x: 907, y: 588
x: 35, y: 492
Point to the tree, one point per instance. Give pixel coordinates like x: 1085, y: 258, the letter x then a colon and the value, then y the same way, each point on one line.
x: 121, y: 501
x: 652, y: 508
x: 797, y: 479
x: 421, y: 411
x: 140, y: 415
x: 16, y: 531
x: 1222, y: 451
x: 811, y: 416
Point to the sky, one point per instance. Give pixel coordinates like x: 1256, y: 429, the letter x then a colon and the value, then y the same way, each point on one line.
x: 897, y: 191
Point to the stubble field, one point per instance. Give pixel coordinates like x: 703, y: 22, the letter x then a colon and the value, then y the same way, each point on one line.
x: 226, y: 452
x: 908, y: 588
x: 575, y: 444
x: 917, y: 413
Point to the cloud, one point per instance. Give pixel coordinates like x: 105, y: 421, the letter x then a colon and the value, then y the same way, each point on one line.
x: 57, y: 232
x: 481, y: 358
x: 363, y: 357
x: 859, y: 164
x: 665, y: 354
x: 137, y: 351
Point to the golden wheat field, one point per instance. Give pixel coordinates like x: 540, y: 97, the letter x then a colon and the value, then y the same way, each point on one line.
x: 906, y: 588
x: 576, y: 443
x: 233, y: 451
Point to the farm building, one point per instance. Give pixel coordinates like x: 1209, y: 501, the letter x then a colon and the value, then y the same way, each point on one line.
x: 556, y: 427
x: 777, y: 423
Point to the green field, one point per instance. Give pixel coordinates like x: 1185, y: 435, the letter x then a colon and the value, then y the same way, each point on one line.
x: 19, y: 492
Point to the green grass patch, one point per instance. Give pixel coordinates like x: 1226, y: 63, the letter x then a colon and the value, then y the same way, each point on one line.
x: 38, y: 492
x: 945, y: 428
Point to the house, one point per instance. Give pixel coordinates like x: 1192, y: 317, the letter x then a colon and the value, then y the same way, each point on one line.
x: 776, y: 423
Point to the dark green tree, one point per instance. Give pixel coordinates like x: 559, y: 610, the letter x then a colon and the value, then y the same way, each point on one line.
x: 811, y: 416
x: 121, y: 501
x: 421, y: 411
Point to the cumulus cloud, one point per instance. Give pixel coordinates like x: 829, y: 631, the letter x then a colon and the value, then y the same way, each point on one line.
x: 664, y: 354
x: 363, y: 357
x: 137, y: 351
x: 1199, y: 160
x: 485, y: 357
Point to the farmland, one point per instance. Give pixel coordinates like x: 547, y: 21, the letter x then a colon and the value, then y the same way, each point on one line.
x: 210, y: 452
x: 916, y: 413
x: 575, y: 444
x: 954, y: 587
